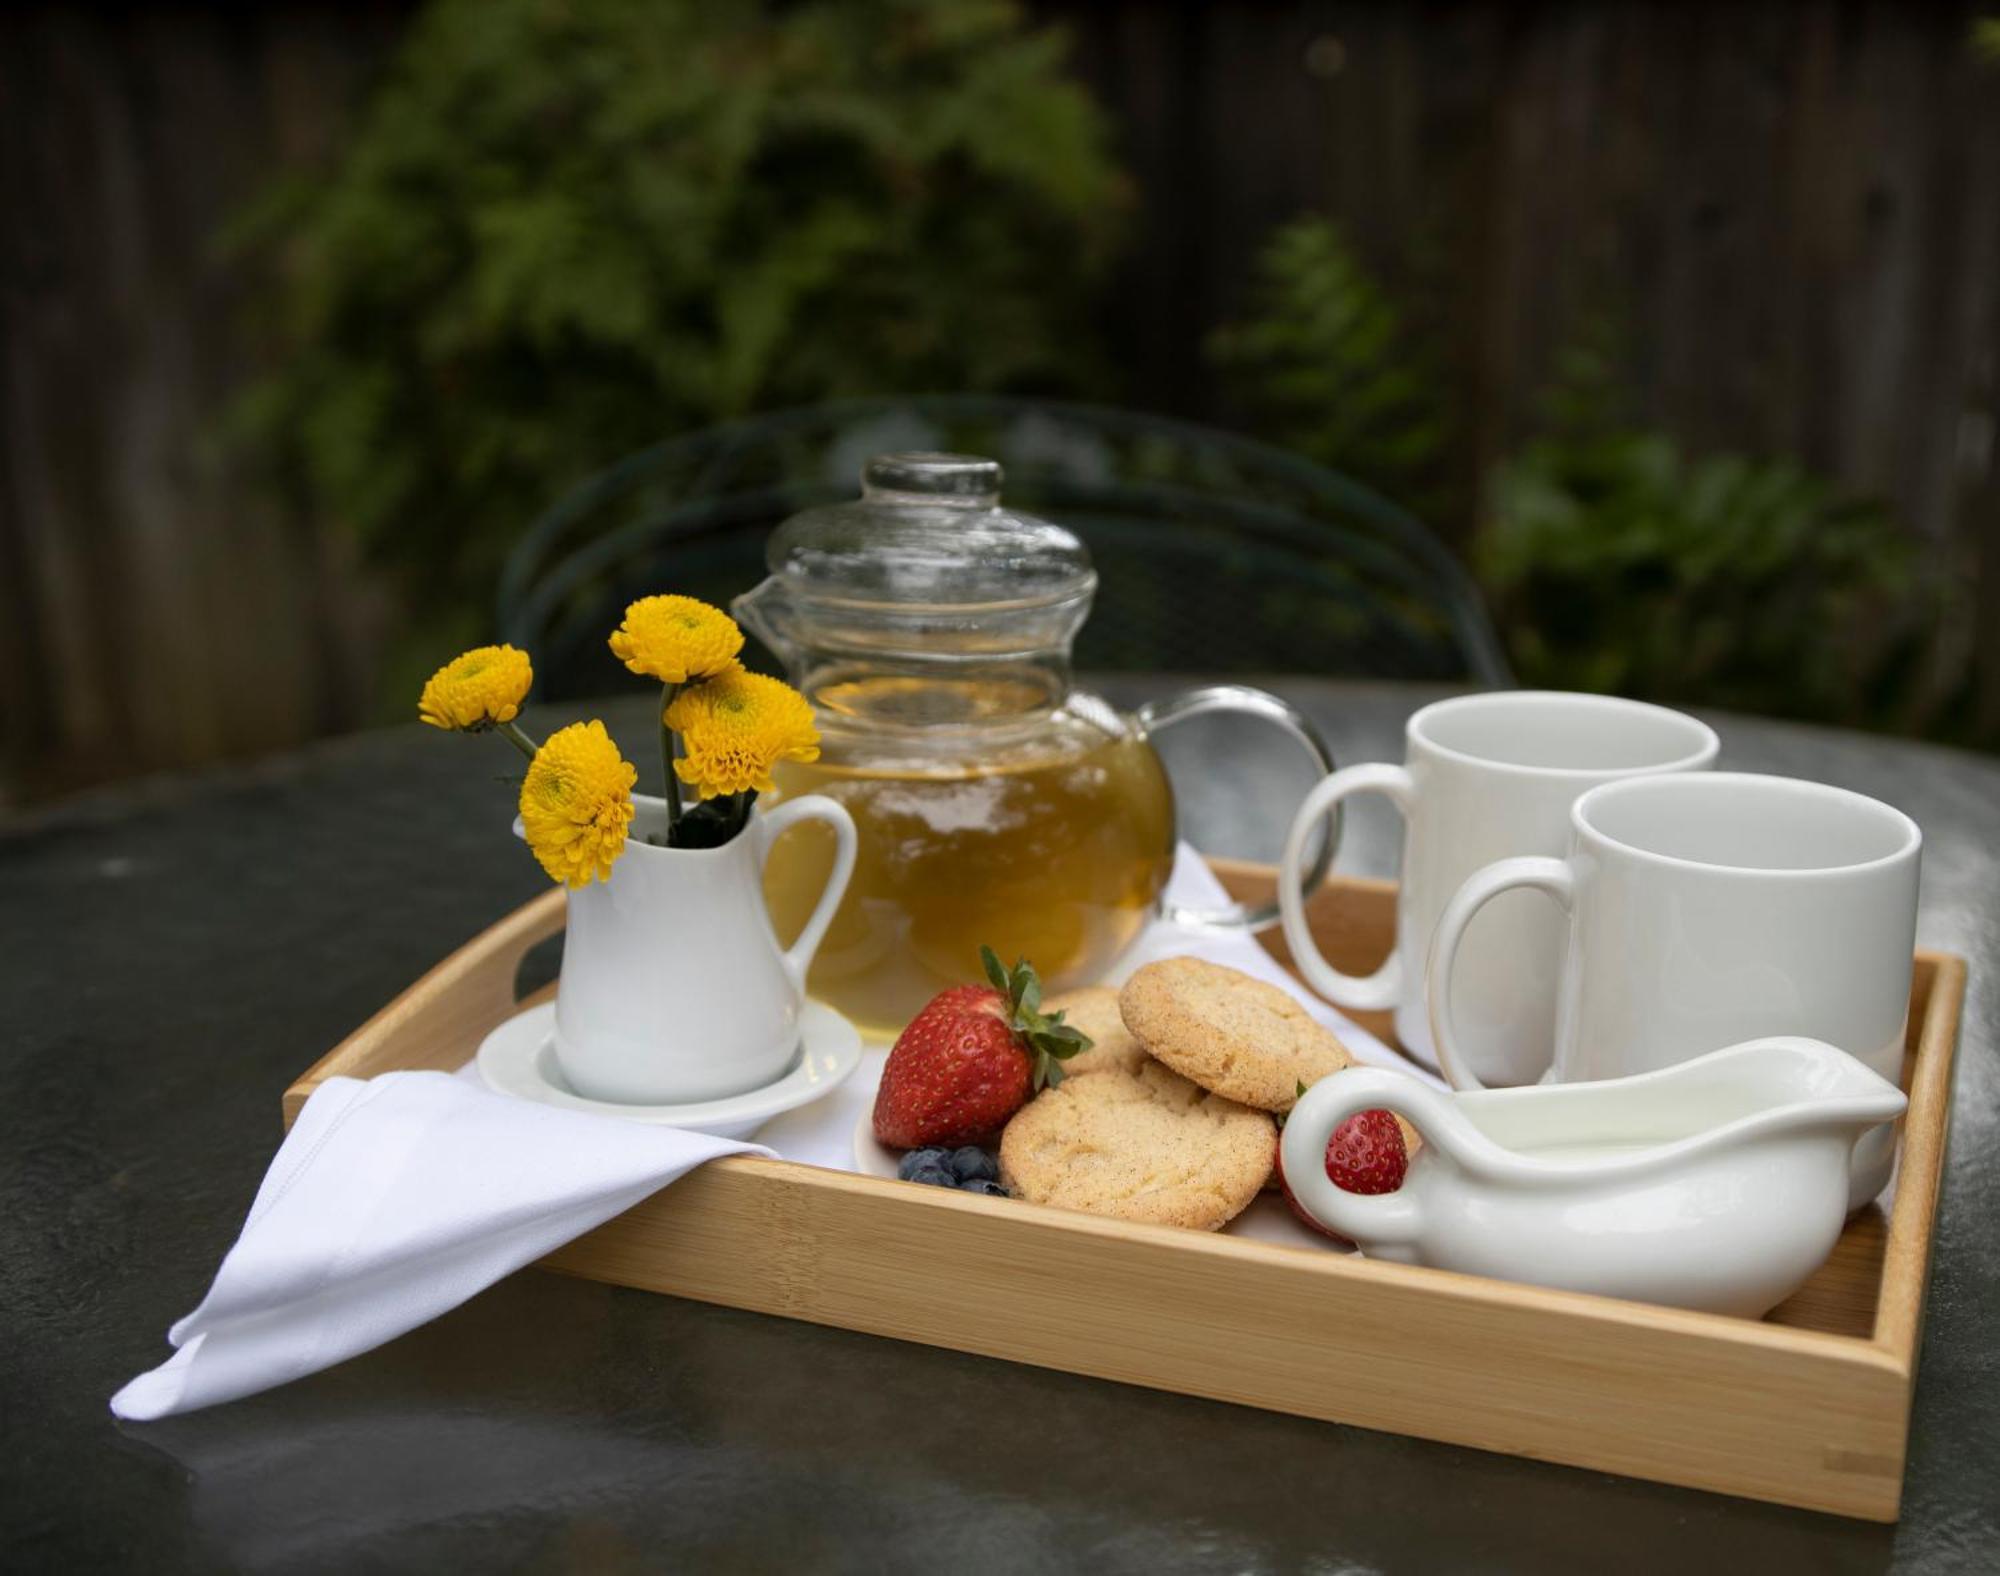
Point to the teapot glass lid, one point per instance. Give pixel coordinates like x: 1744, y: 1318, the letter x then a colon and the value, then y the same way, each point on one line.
x: 928, y: 533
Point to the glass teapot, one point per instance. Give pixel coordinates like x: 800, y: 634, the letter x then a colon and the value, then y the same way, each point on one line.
x: 931, y: 630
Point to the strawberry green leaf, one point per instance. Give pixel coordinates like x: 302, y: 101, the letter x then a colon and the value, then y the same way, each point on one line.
x: 1044, y: 1036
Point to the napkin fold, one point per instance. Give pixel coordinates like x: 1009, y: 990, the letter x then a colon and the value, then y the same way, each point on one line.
x: 394, y: 1199
x: 391, y: 1201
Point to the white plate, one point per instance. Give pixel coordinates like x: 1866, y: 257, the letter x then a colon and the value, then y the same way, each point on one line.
x: 872, y: 1157
x: 519, y: 1059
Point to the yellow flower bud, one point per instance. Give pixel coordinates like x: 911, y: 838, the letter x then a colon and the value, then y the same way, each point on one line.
x: 736, y: 728
x: 475, y: 690
x: 676, y: 639
x: 576, y: 804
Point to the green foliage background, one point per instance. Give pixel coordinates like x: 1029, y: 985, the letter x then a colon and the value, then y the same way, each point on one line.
x: 1325, y: 364
x: 1622, y: 565
x: 1615, y: 562
x: 566, y: 228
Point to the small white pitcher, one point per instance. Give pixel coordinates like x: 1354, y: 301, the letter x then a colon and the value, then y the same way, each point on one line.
x: 674, y: 989
x: 1719, y: 1184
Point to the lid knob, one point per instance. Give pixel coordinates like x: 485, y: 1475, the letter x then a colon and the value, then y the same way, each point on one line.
x: 963, y: 479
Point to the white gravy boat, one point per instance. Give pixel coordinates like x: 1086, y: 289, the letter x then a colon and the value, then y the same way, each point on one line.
x: 1717, y: 1184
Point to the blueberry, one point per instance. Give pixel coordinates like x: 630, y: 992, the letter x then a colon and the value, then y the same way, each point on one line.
x: 922, y: 1157
x: 972, y: 1164
x: 986, y: 1187
x: 932, y: 1176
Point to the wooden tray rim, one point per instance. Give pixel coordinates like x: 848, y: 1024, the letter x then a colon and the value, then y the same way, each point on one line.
x: 485, y: 967
x: 1905, y: 1254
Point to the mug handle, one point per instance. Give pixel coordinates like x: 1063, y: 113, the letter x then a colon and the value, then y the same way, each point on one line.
x: 1158, y: 715
x: 812, y: 807
x: 1553, y: 876
x: 1383, y: 989
x: 1367, y: 1219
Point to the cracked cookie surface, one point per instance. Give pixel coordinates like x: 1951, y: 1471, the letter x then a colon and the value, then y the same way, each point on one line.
x: 1146, y: 1145
x: 1232, y: 1034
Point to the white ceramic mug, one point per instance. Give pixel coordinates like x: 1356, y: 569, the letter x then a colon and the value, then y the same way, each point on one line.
x: 1485, y: 777
x: 1709, y: 908
x: 674, y: 988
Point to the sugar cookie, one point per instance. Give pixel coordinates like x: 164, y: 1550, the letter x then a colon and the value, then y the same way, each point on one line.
x: 1232, y: 1034
x: 1146, y: 1146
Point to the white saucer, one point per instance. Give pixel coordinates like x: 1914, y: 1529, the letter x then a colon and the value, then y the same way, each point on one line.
x: 519, y: 1059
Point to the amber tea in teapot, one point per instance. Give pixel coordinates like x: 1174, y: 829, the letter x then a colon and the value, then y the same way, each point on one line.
x: 1055, y: 852
x: 996, y: 806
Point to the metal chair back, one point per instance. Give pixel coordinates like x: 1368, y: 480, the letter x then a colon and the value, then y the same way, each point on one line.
x: 1216, y: 554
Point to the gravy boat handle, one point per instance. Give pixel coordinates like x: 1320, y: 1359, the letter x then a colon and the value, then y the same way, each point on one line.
x: 1367, y: 1219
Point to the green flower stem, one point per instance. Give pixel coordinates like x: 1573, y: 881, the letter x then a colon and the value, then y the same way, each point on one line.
x: 672, y: 789
x: 518, y: 739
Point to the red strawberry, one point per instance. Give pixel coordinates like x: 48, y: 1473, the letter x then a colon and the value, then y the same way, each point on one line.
x: 970, y: 1060
x: 1366, y: 1154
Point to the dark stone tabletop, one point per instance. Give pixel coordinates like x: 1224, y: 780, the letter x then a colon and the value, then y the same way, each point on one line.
x: 175, y: 952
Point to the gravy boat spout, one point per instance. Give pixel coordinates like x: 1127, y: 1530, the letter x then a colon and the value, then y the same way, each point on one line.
x: 1719, y: 1184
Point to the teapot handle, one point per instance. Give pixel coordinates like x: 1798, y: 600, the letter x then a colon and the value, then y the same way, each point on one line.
x: 1158, y: 715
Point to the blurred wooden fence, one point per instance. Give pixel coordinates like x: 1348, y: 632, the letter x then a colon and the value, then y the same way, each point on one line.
x: 1794, y: 207
x: 153, y: 611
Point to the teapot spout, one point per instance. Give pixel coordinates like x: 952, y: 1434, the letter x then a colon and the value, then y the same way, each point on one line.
x: 765, y: 610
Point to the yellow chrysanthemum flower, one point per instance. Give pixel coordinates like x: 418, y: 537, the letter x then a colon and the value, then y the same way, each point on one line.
x: 676, y: 639
x: 736, y: 728
x: 477, y: 689
x: 576, y: 803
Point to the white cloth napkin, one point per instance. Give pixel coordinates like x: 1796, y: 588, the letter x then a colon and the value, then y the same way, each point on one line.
x: 393, y: 1200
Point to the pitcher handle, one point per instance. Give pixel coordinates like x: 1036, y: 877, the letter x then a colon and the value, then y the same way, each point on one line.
x: 812, y: 807
x: 1379, y: 1219
x: 1157, y: 715
x: 1552, y: 876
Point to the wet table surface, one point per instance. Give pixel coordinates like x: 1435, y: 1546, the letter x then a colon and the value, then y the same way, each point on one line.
x: 176, y: 952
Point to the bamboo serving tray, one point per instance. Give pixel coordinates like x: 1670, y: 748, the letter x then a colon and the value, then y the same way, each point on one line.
x: 1807, y: 1407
